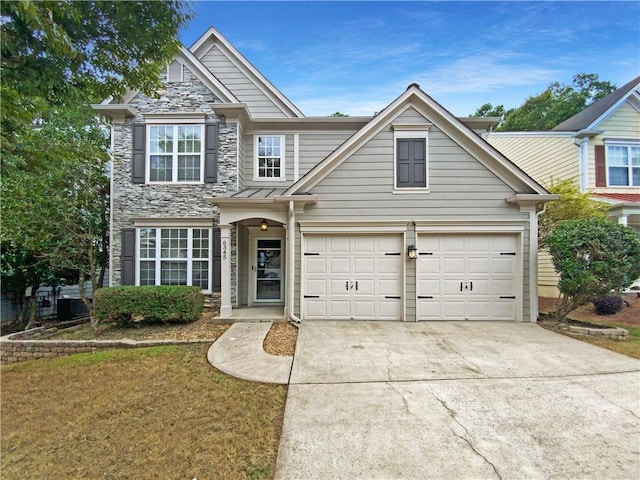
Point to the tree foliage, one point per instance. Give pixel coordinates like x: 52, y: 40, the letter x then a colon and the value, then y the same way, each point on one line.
x: 55, y: 209
x: 550, y: 107
x: 571, y: 205
x: 69, y: 53
x: 57, y: 57
x: 593, y: 257
x: 338, y: 114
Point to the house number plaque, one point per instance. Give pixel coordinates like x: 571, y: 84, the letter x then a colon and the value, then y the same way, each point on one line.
x: 224, y: 249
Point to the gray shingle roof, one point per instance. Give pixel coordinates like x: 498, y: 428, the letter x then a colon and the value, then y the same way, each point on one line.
x: 587, y: 116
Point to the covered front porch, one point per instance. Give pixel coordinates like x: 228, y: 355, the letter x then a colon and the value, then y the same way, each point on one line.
x: 257, y: 232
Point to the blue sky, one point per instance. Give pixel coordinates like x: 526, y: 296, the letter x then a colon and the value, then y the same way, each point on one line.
x: 356, y: 57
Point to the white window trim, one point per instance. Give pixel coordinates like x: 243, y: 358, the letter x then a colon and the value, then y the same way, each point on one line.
x: 256, y: 176
x: 420, y: 131
x: 189, y: 259
x: 174, y: 162
x: 620, y: 143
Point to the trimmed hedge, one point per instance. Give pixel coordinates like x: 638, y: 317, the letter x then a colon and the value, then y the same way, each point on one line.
x: 128, y: 305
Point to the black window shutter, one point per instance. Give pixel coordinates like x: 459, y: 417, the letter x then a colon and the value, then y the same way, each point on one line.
x: 217, y: 261
x: 211, y: 153
x: 128, y: 274
x: 411, y: 158
x: 138, y: 161
x: 601, y: 167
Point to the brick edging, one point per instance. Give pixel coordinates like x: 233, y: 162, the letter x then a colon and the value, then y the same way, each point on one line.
x: 21, y: 349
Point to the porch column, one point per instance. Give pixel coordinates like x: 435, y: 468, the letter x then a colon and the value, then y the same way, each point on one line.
x: 225, y: 271
x: 622, y: 220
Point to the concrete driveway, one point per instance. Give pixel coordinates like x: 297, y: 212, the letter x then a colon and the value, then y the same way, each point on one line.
x: 457, y: 400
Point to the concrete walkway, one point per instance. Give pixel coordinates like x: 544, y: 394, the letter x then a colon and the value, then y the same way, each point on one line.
x: 239, y: 353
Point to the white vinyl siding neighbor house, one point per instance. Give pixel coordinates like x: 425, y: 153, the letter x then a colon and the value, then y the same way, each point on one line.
x: 408, y: 215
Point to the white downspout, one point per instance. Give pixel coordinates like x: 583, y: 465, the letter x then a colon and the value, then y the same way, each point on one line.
x: 584, y: 164
x: 291, y: 254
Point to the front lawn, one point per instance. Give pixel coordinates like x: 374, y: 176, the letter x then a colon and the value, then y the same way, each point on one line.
x: 160, y: 412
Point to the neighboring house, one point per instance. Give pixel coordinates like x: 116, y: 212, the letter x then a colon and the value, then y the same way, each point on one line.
x: 408, y: 215
x: 599, y: 148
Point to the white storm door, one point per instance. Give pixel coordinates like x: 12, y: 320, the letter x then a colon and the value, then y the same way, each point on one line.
x: 467, y: 277
x: 353, y: 277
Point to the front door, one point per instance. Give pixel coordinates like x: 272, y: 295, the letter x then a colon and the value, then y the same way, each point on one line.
x: 268, y: 270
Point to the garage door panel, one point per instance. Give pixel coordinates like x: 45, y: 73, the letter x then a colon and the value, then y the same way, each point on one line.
x: 316, y: 309
x: 316, y: 265
x: 486, y: 265
x: 506, y: 265
x: 359, y: 271
x: 316, y: 286
x: 504, y: 287
x: 453, y: 265
x: 339, y: 245
x: 363, y: 265
x: 339, y: 309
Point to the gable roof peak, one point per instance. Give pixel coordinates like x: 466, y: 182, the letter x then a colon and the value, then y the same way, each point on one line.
x: 591, y: 115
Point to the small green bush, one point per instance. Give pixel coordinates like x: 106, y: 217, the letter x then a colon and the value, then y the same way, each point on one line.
x: 128, y: 305
x: 608, y: 304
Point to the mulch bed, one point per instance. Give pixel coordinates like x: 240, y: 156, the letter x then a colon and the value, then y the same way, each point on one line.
x: 586, y: 314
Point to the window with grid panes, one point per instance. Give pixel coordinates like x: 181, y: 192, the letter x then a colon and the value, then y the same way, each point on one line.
x: 174, y: 256
x: 269, y: 157
x: 623, y: 165
x: 176, y: 153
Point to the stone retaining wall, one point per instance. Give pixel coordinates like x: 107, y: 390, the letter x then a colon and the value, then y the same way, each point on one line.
x: 34, y: 343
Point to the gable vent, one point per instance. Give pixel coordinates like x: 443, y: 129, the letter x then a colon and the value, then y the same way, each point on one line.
x: 175, y: 72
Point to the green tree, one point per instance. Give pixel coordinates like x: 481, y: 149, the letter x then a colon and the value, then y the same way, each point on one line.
x: 552, y: 106
x: 57, y: 57
x: 338, y: 114
x: 571, y: 205
x: 57, y: 53
x: 55, y: 209
x: 593, y: 257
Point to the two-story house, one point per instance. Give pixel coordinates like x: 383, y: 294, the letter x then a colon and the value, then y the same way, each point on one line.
x: 599, y: 148
x: 408, y: 215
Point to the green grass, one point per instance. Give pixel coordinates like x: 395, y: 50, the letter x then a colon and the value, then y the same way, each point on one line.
x: 160, y: 412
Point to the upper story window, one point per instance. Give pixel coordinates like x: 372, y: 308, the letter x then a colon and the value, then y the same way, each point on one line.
x: 411, y: 162
x: 269, y: 157
x: 623, y: 165
x: 175, y: 153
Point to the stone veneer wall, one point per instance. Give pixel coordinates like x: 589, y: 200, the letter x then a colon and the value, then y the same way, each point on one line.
x: 34, y: 343
x: 169, y: 200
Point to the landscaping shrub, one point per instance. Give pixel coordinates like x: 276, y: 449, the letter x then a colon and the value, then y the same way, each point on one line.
x: 608, y: 304
x: 128, y: 305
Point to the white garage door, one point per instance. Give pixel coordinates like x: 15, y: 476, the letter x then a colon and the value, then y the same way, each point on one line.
x: 467, y: 277
x: 353, y: 277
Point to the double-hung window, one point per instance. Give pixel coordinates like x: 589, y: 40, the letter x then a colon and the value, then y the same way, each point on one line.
x: 175, y: 256
x: 175, y: 153
x: 623, y: 164
x: 269, y: 157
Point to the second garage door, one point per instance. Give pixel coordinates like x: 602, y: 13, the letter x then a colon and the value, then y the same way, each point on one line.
x: 467, y: 277
x: 353, y: 277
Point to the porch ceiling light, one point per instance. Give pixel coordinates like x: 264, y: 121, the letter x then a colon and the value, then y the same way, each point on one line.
x: 412, y: 252
x: 264, y: 226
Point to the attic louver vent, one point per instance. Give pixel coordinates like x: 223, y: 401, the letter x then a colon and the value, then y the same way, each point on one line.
x: 175, y: 72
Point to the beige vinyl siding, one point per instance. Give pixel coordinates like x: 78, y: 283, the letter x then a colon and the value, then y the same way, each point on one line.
x: 544, y: 158
x: 247, y: 165
x: 547, y: 276
x: 461, y: 189
x: 244, y: 88
x: 458, y: 185
x: 623, y: 124
x: 315, y: 146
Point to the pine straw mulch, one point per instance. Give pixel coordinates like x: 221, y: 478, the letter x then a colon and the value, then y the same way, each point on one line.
x: 629, y: 315
x: 280, y: 340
